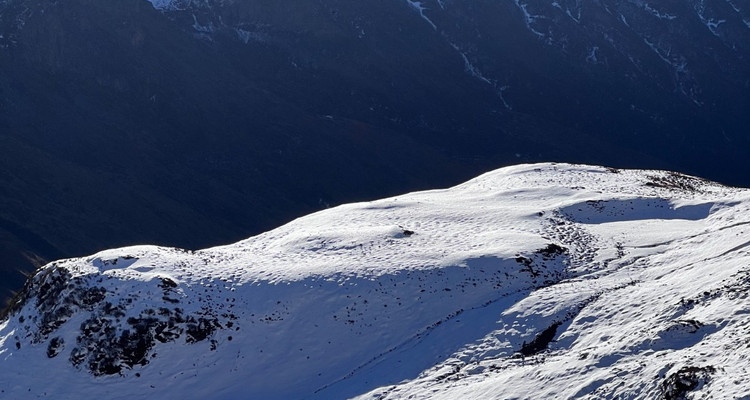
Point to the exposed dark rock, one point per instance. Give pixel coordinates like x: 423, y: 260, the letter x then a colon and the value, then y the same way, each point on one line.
x: 167, y: 284
x: 110, y: 348
x: 55, y: 346
x: 106, y: 344
x: 552, y: 250
x: 534, y: 263
x: 677, y: 385
x: 136, y: 343
x: 58, y: 296
x: 200, y: 329
x: 49, y: 285
x: 540, y: 342
x: 677, y: 181
x: 524, y: 261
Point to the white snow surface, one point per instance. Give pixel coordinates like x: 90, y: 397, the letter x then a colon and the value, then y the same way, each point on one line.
x: 529, y: 282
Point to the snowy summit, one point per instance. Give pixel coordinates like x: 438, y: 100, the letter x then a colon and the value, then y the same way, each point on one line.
x: 533, y: 281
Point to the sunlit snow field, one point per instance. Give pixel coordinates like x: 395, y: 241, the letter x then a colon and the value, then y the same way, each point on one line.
x: 533, y: 281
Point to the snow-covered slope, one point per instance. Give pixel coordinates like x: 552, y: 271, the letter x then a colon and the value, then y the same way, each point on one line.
x: 533, y: 281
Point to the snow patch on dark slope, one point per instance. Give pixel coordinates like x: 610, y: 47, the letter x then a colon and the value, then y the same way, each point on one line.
x: 533, y: 281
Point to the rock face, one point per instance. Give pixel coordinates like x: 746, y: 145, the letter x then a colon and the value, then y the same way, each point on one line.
x: 535, y: 281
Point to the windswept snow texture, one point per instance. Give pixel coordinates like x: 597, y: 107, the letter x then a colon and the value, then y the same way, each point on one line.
x: 533, y: 281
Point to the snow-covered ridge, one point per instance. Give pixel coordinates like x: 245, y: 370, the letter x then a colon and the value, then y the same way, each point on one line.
x: 531, y: 281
